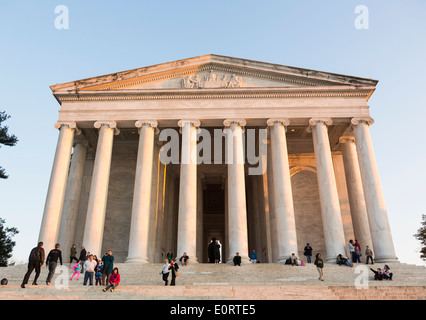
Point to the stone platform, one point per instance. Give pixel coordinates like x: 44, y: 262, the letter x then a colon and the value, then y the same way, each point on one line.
x: 225, y: 282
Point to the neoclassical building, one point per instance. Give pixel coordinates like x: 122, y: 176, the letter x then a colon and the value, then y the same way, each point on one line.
x: 260, y: 156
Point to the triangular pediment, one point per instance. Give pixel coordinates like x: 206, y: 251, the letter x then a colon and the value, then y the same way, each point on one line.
x: 212, y: 71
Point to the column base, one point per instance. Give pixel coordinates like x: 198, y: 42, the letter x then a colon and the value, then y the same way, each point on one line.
x: 386, y: 259
x: 137, y: 260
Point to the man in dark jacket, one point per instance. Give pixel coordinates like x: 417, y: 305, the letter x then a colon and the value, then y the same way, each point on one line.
x: 52, y: 261
x: 35, y: 261
x: 83, y: 258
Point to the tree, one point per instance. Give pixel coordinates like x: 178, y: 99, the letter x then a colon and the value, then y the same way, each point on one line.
x: 6, y: 139
x: 6, y: 243
x: 421, y: 236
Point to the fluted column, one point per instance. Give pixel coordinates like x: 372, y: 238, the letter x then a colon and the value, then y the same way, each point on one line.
x: 187, y: 219
x: 381, y: 235
x: 286, y: 225
x: 237, y: 212
x: 95, y: 217
x: 329, y: 199
x: 73, y: 192
x: 52, y: 214
x: 139, y: 226
x: 355, y: 192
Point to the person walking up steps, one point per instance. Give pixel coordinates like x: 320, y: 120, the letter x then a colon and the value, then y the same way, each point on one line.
x: 35, y: 261
x: 165, y: 271
x: 52, y: 261
x: 320, y: 266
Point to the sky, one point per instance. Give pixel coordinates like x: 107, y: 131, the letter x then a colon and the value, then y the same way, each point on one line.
x: 110, y: 36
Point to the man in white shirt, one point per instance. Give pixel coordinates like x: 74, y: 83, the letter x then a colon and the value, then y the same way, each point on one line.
x: 89, y: 266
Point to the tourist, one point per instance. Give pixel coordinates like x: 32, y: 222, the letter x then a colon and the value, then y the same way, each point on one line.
x: 253, y: 256
x: 210, y: 250
x: 108, y: 262
x: 343, y: 260
x: 73, y: 254
x: 98, y: 273
x: 184, y: 259
x: 358, y: 254
x: 76, y: 268
x: 35, y: 262
x: 237, y: 259
x: 368, y: 254
x: 113, y: 281
x: 83, y: 257
x: 52, y: 261
x: 217, y: 252
x: 352, y: 250
x: 308, y: 252
x: 378, y: 275
x: 169, y: 255
x: 165, y: 271
x: 387, y: 275
x: 294, y: 259
x: 89, y: 267
x: 320, y: 266
x: 174, y: 267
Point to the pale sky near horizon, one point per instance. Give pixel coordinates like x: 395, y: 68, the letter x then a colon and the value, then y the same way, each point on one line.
x: 111, y: 36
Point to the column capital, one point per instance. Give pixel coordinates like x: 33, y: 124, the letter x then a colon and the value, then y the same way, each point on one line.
x: 194, y: 122
x: 141, y: 123
x: 272, y: 121
x: 229, y: 122
x: 314, y: 121
x: 357, y: 121
x: 110, y: 123
x: 345, y: 139
x: 70, y: 124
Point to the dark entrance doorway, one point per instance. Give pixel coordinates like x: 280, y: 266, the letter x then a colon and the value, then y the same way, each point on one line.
x: 213, y: 217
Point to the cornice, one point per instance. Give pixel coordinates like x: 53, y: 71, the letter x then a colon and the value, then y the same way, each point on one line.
x: 235, y: 93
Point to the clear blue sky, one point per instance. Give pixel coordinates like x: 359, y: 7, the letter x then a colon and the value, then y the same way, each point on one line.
x: 111, y: 36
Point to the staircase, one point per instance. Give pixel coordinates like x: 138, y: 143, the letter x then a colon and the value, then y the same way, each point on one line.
x: 222, y: 281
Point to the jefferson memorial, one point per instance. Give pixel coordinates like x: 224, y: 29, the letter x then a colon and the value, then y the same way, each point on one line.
x: 260, y: 156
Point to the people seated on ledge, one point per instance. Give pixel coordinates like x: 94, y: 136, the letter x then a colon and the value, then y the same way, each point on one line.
x: 387, y: 275
x: 293, y: 260
x: 378, y: 275
x: 340, y: 260
x: 184, y: 259
x: 237, y: 260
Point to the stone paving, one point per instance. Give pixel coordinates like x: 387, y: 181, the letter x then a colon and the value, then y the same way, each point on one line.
x: 226, y: 282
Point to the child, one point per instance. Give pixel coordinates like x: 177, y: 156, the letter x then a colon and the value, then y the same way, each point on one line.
x: 378, y: 275
x: 98, y: 273
x: 114, y: 280
x: 320, y: 266
x: 76, y: 268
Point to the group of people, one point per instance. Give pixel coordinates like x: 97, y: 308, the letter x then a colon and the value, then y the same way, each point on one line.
x: 101, y: 269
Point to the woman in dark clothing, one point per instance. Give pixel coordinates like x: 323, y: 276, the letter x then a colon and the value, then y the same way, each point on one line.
x: 217, y: 252
x: 174, y: 268
x: 210, y: 250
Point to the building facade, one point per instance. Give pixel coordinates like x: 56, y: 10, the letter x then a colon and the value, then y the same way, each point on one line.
x: 260, y: 156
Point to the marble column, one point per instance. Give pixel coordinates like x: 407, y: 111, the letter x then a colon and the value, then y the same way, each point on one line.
x: 237, y: 212
x: 72, y: 196
x: 381, y: 235
x: 286, y: 225
x: 52, y: 214
x: 329, y: 198
x: 95, y: 217
x: 187, y: 216
x: 139, y: 226
x: 355, y: 192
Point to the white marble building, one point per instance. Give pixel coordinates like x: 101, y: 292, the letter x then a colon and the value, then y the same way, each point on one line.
x: 111, y: 188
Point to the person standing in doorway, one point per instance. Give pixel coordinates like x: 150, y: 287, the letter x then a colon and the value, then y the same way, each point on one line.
x: 35, y: 262
x: 52, y: 261
x: 217, y: 252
